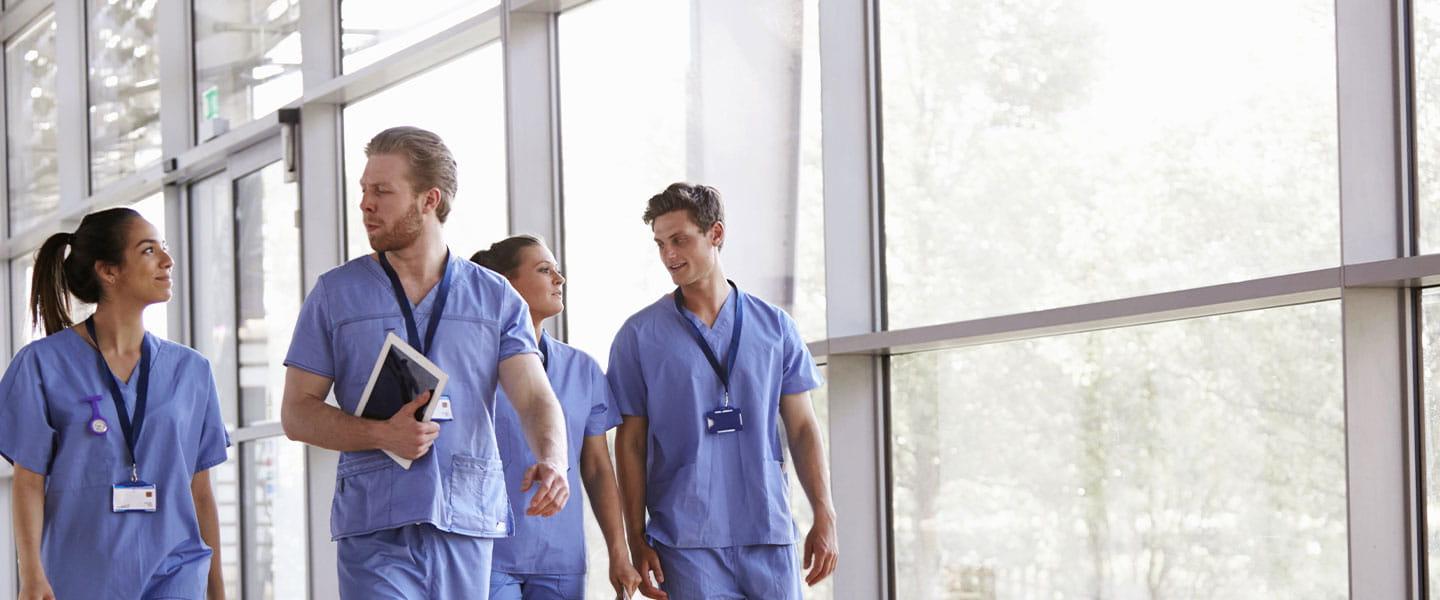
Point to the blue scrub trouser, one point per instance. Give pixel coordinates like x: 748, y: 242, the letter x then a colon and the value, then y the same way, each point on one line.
x: 512, y: 586
x: 735, y: 573
x: 414, y: 562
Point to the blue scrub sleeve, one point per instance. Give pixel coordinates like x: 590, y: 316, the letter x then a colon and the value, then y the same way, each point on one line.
x: 213, y: 437
x: 801, y: 374
x: 604, y: 415
x: 26, y: 436
x: 516, y: 335
x: 310, y: 347
x: 627, y: 381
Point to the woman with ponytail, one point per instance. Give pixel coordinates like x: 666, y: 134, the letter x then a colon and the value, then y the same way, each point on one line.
x: 545, y: 558
x: 111, y: 430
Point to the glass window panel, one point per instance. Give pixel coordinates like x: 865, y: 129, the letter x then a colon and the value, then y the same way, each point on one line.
x: 464, y: 104
x: 799, y: 502
x: 267, y: 276
x: 1083, y: 151
x: 157, y: 317
x: 1199, y: 458
x: 1425, y: 21
x: 247, y: 61
x: 1430, y: 303
x: 273, y: 514
x: 212, y: 275
x: 124, y: 72
x: 621, y: 148
x: 225, y: 480
x: 373, y: 29
x: 31, y: 118
x: 22, y: 270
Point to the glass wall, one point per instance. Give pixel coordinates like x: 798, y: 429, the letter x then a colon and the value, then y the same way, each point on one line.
x: 373, y: 29
x: 463, y: 102
x: 673, y: 122
x: 1086, y: 151
x: 32, y: 165
x: 245, y: 242
x: 1193, y: 459
x: 124, y: 73
x: 247, y: 61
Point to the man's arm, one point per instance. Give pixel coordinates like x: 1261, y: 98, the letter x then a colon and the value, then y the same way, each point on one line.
x: 808, y: 449
x: 307, y: 418
x: 523, y: 378
x: 630, y: 448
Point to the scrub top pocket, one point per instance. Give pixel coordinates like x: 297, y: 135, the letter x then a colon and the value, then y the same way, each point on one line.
x: 478, y: 503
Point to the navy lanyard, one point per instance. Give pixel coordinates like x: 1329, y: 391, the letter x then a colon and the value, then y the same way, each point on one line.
x: 412, y: 332
x: 722, y: 372
x: 142, y: 393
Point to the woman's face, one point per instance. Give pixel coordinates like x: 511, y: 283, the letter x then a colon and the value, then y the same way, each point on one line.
x: 539, y: 281
x: 144, y: 274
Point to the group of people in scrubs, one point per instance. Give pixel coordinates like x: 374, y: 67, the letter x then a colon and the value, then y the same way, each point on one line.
x: 112, y: 430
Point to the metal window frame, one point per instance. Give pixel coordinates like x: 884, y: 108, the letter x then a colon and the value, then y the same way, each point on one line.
x: 1377, y: 281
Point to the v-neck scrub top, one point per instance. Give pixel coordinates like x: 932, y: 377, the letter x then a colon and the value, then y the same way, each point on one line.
x: 87, y: 550
x: 459, y: 485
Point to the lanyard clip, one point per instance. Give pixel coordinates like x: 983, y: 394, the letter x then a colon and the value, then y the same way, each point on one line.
x: 727, y: 398
x: 134, y: 473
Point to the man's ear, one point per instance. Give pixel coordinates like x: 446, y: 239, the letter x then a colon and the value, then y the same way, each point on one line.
x: 717, y: 234
x: 432, y: 200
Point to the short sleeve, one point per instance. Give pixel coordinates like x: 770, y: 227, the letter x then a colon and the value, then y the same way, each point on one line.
x: 604, y: 415
x: 213, y: 437
x: 516, y: 333
x: 310, y: 347
x: 27, y: 437
x: 627, y: 381
x: 800, y: 373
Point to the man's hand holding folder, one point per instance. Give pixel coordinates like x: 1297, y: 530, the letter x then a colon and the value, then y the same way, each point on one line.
x: 403, y: 434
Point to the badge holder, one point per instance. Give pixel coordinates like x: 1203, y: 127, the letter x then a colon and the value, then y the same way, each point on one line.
x: 443, y: 412
x: 134, y: 495
x: 726, y: 419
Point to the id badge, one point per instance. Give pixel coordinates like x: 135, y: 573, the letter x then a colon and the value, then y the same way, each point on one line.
x: 724, y: 420
x: 443, y: 411
x: 133, y: 496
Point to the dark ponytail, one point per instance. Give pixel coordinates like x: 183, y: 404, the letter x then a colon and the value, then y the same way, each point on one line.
x: 100, y: 238
x: 503, y: 257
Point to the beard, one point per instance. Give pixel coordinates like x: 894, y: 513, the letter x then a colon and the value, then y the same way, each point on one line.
x: 400, y: 235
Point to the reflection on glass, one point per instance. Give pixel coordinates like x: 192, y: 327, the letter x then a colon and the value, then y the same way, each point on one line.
x: 157, y: 317
x: 1425, y: 21
x: 247, y: 61
x: 124, y: 73
x: 463, y: 102
x: 1194, y: 459
x: 373, y: 29
x: 1083, y: 151
x: 212, y: 261
x: 621, y: 148
x: 225, y: 480
x: 273, y: 515
x: 268, y: 279
x: 33, y: 166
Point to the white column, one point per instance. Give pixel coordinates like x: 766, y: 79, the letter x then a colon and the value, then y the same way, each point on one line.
x: 853, y: 298
x: 1379, y: 400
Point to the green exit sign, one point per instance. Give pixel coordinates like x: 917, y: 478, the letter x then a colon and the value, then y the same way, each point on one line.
x: 211, y: 99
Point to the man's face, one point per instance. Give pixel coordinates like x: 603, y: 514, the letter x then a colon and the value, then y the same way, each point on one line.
x: 392, y: 210
x: 688, y: 253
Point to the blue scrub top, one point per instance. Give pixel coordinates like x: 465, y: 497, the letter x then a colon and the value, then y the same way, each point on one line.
x: 553, y: 545
x: 458, y: 486
x: 707, y: 490
x: 87, y: 550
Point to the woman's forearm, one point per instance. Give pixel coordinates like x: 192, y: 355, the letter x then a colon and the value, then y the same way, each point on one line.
x: 28, y: 514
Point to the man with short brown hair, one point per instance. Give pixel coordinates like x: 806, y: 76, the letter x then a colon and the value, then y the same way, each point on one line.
x: 704, y: 377
x: 423, y: 531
